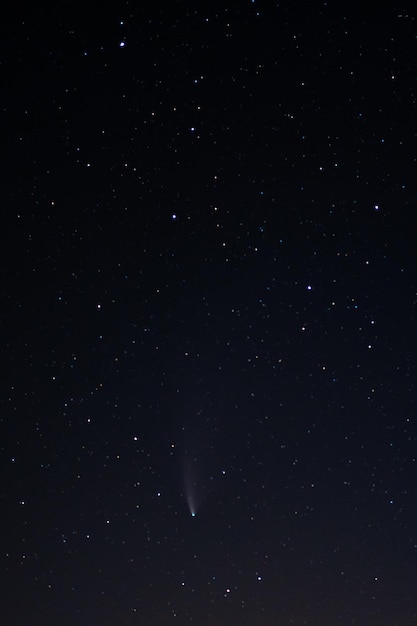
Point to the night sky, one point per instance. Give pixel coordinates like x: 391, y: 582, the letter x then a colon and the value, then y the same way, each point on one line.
x: 208, y: 314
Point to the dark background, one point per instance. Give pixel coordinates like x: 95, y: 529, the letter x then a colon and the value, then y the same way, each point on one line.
x: 208, y: 294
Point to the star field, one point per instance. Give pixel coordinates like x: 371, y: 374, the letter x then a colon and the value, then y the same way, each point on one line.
x: 209, y: 291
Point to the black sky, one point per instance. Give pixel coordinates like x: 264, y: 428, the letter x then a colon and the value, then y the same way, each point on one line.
x: 208, y: 306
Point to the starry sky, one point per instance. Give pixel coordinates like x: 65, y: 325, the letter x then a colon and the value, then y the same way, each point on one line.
x: 208, y: 314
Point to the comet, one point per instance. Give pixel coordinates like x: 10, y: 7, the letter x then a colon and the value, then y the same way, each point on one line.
x: 191, y: 504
